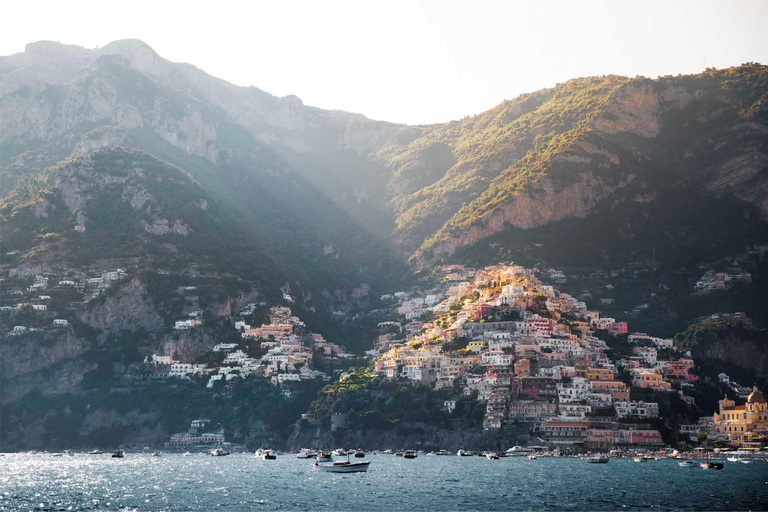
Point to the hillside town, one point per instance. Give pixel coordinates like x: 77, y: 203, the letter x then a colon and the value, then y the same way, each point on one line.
x: 537, y: 356
x: 531, y: 354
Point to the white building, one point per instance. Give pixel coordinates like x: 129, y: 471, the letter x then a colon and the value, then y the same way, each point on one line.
x: 639, y: 409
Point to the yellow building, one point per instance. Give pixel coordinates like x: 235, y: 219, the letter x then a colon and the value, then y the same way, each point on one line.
x: 742, y: 422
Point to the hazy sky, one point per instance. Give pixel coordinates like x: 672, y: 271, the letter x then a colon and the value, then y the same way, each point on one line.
x: 412, y: 62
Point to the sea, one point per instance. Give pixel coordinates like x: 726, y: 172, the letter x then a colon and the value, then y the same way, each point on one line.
x: 236, y: 482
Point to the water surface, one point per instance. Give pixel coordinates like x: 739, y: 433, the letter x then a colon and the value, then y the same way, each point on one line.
x: 244, y: 482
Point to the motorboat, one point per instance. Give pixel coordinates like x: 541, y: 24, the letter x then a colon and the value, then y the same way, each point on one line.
x: 598, y: 459
x: 324, y: 457
x: 519, y: 451
x: 399, y: 454
x: 118, y: 454
x: 686, y: 464
x: 464, y: 453
x: 344, y: 466
x: 269, y: 455
x: 306, y: 454
x: 640, y: 459
x: 187, y: 454
x: 219, y: 452
x: 155, y: 454
x: 95, y: 452
x: 532, y: 457
x: 492, y: 456
x: 442, y: 452
x: 711, y: 465
x: 69, y: 453
x: 359, y: 454
x: 733, y: 459
x: 339, y: 452
x: 409, y: 454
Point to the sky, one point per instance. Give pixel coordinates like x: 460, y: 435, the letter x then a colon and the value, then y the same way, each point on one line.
x: 414, y: 62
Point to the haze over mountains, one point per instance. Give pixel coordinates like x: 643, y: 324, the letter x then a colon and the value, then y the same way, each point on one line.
x: 213, y: 200
x: 596, y: 171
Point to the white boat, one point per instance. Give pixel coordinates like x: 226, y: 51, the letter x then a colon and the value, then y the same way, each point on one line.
x: 687, y: 464
x: 344, y: 467
x: 187, y: 454
x: 733, y: 459
x: 359, y: 453
x: 339, y: 452
x: 118, y: 454
x: 95, y: 452
x: 532, y: 457
x: 324, y: 457
x: 598, y: 459
x: 219, y: 452
x: 268, y: 455
x: 640, y: 459
x: 409, y: 454
x: 519, y: 451
x: 306, y: 454
x: 464, y: 453
x: 492, y: 456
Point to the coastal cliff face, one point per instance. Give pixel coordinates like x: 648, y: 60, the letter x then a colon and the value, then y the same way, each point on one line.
x: 745, y: 353
x: 45, y: 362
x: 129, y: 308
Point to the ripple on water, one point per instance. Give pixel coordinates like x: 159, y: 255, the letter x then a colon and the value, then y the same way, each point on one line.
x: 441, y: 483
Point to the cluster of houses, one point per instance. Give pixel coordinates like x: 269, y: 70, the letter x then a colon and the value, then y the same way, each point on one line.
x: 286, y: 353
x: 532, y: 354
x: 36, y: 297
x: 712, y: 280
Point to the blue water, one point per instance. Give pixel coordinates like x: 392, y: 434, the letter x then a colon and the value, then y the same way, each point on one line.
x: 244, y: 482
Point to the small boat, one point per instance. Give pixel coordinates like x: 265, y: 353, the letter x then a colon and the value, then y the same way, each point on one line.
x: 409, y: 454
x: 69, y: 453
x: 711, y: 465
x: 399, y: 454
x: 269, y: 455
x: 219, y: 452
x: 187, y: 454
x: 95, y: 452
x: 519, y: 451
x: 464, y: 453
x: 733, y: 459
x: 492, y: 456
x: 359, y: 454
x: 532, y: 457
x: 118, y: 454
x: 598, y: 459
x: 745, y: 461
x: 324, y: 457
x: 339, y: 452
x: 442, y: 452
x: 344, y: 467
x: 306, y: 454
x: 640, y: 459
x: 686, y: 464
x: 155, y: 454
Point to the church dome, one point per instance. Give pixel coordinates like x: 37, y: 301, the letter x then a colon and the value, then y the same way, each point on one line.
x: 755, y: 396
